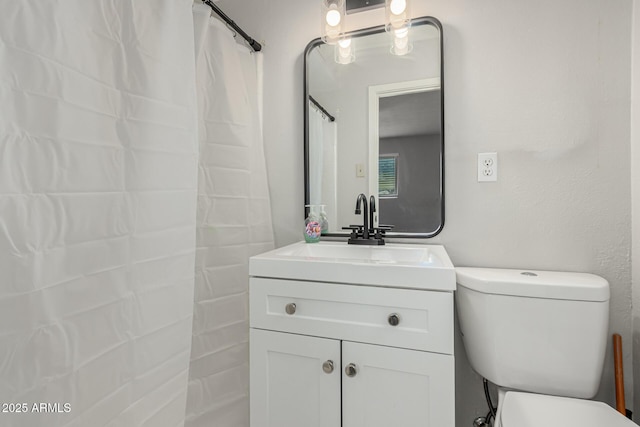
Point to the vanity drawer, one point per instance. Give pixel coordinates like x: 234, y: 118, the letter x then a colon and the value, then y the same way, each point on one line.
x: 355, y: 313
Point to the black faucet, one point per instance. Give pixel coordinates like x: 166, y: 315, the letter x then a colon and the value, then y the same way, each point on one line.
x: 367, y: 234
x: 372, y: 210
x: 363, y: 199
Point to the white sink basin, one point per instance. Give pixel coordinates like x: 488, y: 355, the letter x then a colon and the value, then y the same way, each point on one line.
x: 391, y: 265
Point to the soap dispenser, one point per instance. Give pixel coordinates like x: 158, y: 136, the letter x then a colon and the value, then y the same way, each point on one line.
x: 312, y: 226
x: 320, y: 213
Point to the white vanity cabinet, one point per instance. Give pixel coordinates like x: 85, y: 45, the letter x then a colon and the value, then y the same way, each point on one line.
x: 289, y: 385
x: 350, y: 355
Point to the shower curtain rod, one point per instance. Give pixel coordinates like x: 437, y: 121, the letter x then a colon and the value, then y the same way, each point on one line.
x: 257, y: 47
x: 321, y: 108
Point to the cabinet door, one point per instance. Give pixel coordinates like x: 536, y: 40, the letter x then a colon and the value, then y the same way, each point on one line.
x: 289, y: 387
x: 396, y: 387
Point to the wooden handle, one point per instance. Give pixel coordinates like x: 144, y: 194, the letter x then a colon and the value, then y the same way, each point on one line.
x: 619, y: 373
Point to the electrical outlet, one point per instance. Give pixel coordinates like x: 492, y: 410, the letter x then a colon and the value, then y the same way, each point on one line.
x: 360, y: 170
x: 487, y: 167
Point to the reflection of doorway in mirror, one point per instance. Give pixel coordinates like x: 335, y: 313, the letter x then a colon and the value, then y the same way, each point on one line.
x: 405, y: 140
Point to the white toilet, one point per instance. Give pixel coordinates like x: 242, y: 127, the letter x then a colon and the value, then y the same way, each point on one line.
x: 540, y: 337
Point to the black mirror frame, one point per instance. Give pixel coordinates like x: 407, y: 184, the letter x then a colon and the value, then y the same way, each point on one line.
x: 426, y: 20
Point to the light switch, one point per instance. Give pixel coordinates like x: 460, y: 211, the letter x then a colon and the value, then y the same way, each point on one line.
x: 360, y: 170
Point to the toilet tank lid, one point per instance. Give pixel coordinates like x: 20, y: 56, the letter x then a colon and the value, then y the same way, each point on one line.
x: 534, y: 283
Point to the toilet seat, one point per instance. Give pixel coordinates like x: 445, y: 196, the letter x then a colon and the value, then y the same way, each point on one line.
x: 538, y: 410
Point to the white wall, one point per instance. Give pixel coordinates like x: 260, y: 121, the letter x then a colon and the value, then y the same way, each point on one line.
x: 635, y: 198
x: 545, y: 84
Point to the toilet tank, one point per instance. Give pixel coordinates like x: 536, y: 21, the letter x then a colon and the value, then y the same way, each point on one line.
x: 537, y: 331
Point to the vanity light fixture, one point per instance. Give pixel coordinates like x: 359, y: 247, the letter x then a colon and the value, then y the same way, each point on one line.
x: 332, y: 20
x: 401, y: 44
x: 344, y: 51
x: 398, y: 23
x: 398, y: 14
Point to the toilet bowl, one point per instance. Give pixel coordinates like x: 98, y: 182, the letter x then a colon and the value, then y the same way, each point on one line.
x: 534, y: 410
x: 541, y: 337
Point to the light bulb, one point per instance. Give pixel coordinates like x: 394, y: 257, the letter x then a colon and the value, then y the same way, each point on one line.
x: 401, y: 33
x: 332, y: 20
x: 345, y: 43
x: 401, y: 51
x: 344, y: 51
x: 398, y: 6
x: 401, y: 43
x: 333, y: 16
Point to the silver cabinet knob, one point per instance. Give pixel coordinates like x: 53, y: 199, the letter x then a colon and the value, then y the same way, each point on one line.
x: 351, y: 370
x: 394, y: 319
x: 327, y: 366
x: 290, y: 308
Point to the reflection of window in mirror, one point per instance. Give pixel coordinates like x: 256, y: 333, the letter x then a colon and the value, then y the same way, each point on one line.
x: 388, y: 176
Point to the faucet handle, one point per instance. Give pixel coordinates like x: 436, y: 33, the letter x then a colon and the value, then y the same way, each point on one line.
x: 355, y: 229
x: 352, y: 227
x: 381, y: 230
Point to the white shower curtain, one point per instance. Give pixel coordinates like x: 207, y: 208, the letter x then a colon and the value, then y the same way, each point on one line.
x: 98, y: 178
x: 323, y: 177
x: 234, y: 222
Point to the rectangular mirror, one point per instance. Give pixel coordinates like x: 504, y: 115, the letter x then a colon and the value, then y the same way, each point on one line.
x: 374, y: 124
